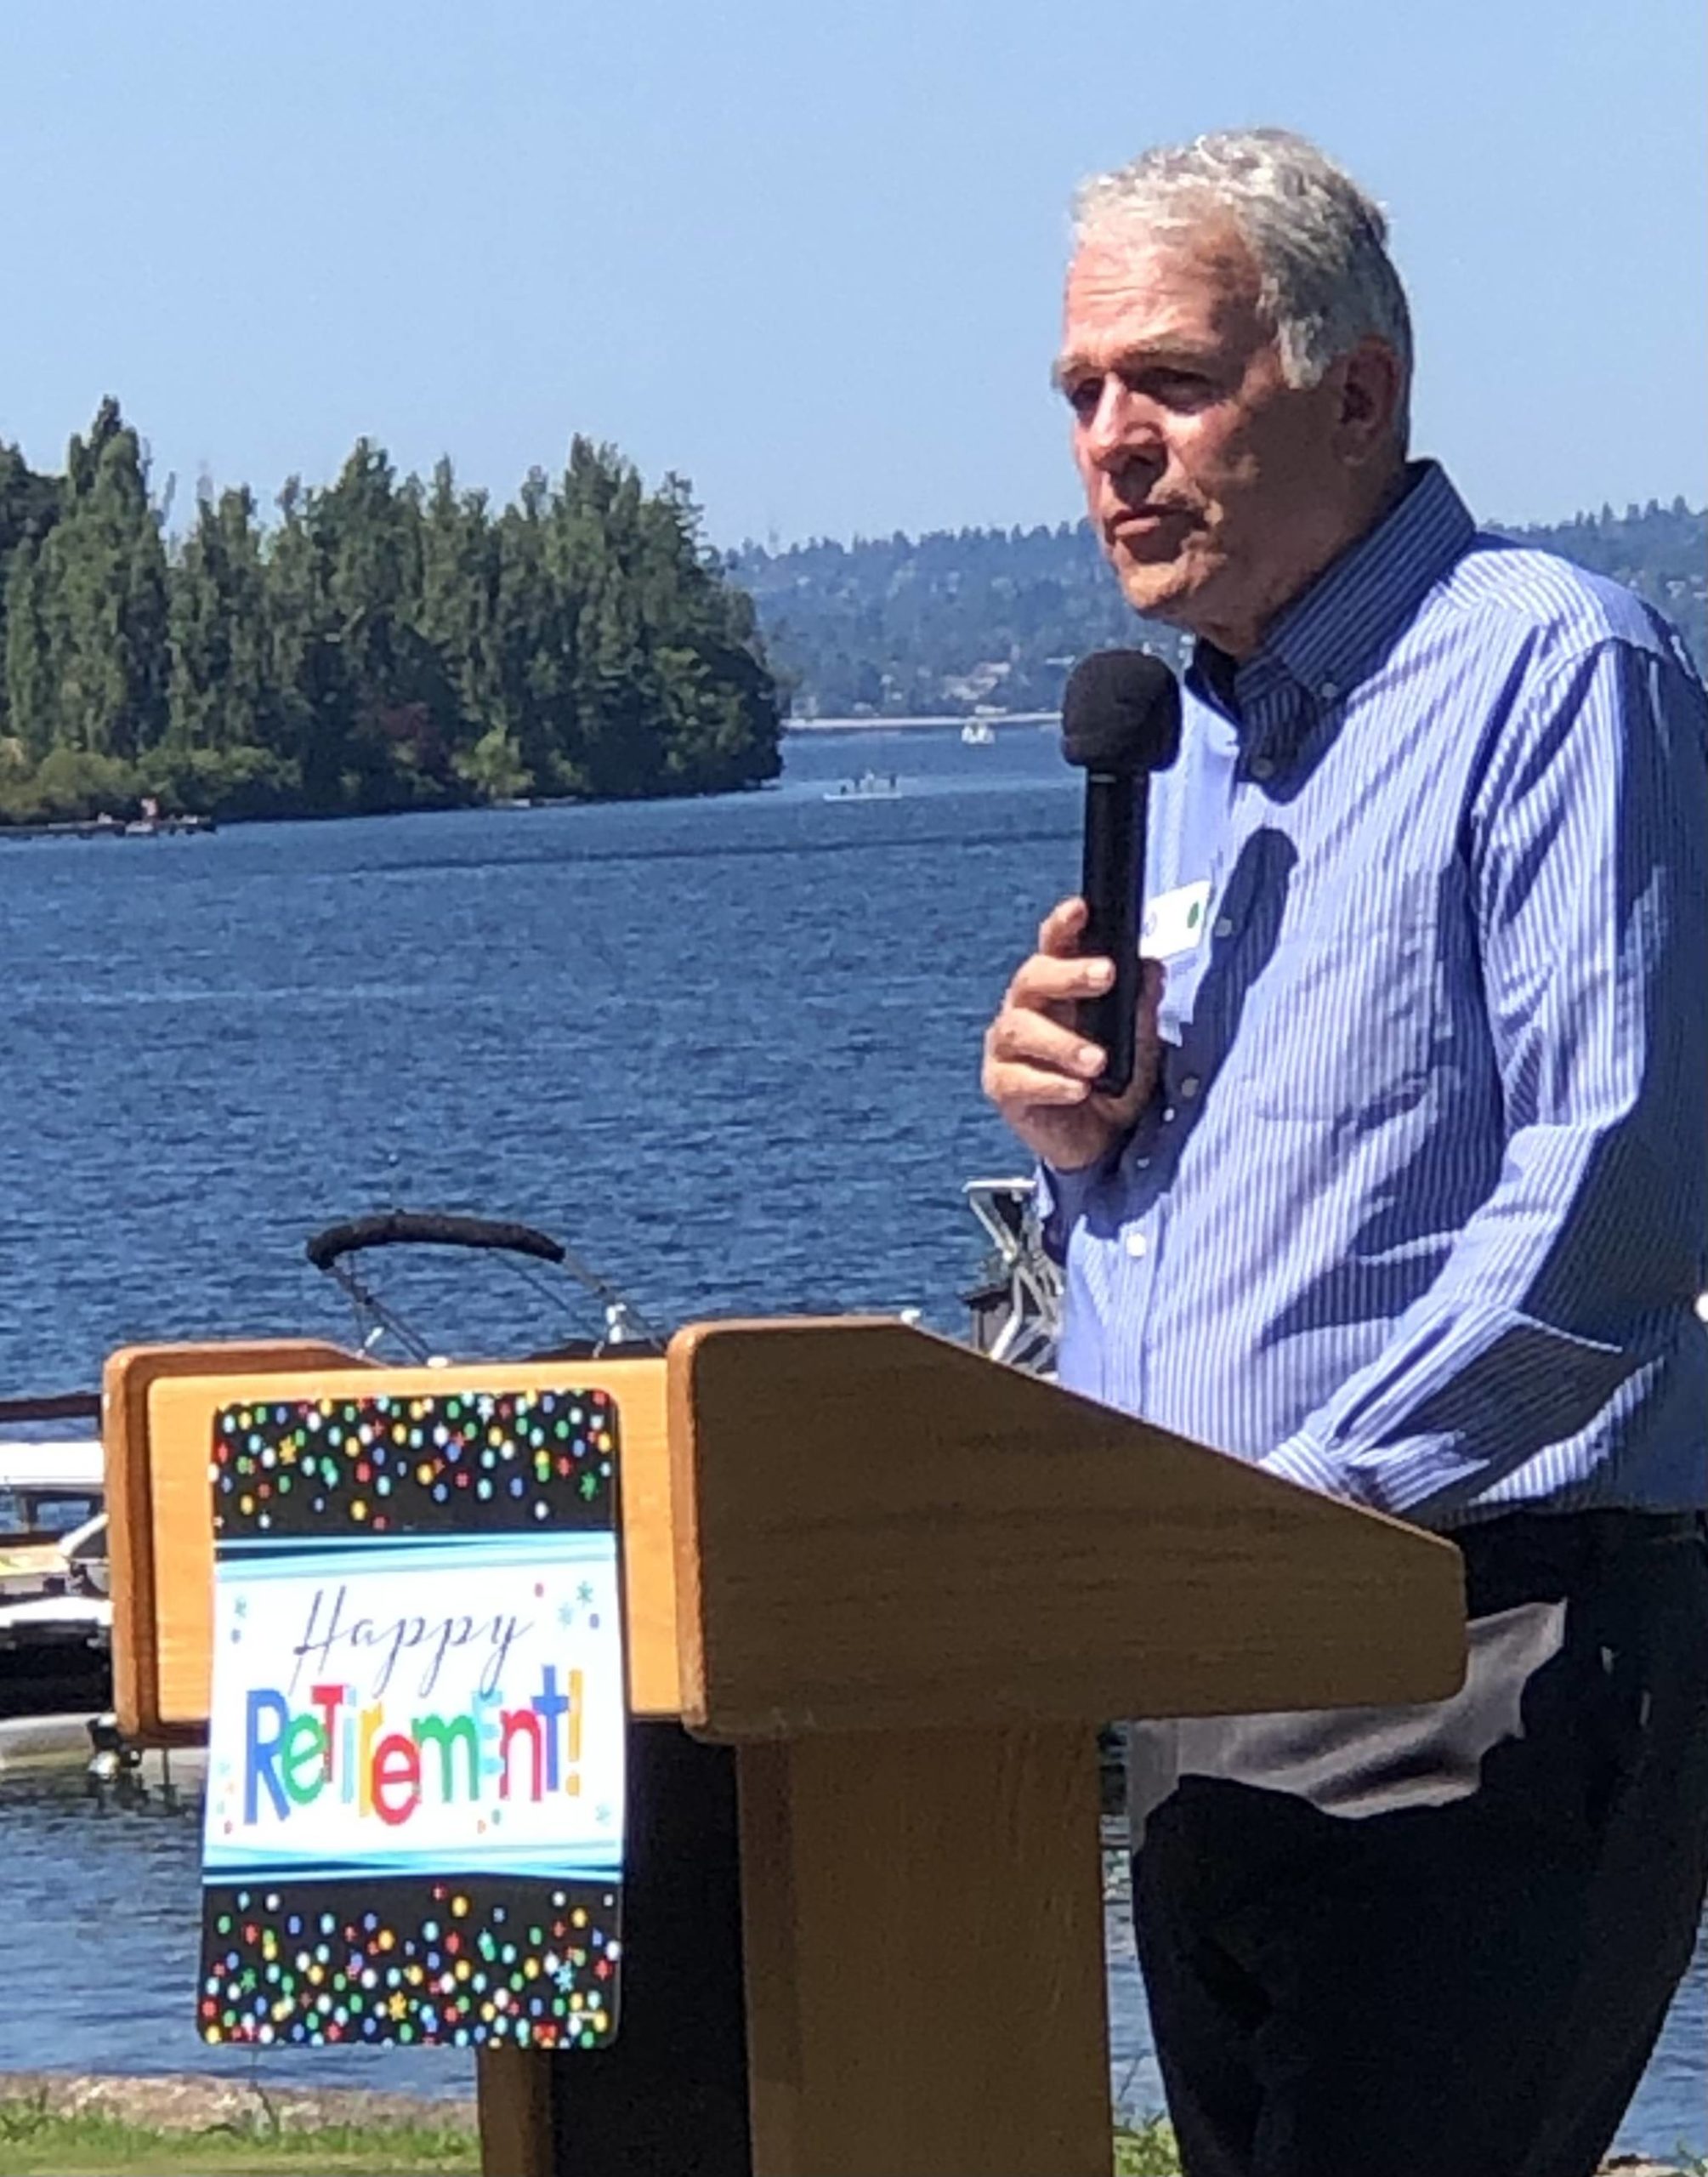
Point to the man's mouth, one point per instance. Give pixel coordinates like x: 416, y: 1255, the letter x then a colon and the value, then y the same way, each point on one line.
x: 1137, y: 525
x: 1140, y: 518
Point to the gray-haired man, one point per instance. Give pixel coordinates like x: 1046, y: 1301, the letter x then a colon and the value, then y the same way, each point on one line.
x: 1409, y: 1201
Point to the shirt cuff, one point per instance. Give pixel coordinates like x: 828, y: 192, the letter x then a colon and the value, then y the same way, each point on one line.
x: 1302, y: 1460
x: 1062, y: 1197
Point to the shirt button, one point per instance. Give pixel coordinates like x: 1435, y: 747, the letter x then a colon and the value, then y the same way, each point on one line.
x: 1137, y: 1244
x: 1223, y: 927
x: 1329, y: 690
x: 1262, y: 767
x: 1190, y: 1087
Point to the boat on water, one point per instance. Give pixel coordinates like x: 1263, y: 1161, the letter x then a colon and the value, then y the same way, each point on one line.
x: 978, y: 733
x: 56, y: 1617
x: 870, y: 785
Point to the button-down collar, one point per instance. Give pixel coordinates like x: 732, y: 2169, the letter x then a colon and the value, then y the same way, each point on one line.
x: 1331, y: 637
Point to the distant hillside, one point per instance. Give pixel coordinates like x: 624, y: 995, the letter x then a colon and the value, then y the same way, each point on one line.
x: 988, y: 618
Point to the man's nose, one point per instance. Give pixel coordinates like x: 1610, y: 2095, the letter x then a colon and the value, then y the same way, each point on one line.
x: 1124, y: 427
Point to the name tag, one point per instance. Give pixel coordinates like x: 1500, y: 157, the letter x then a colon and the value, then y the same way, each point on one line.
x: 1174, y: 921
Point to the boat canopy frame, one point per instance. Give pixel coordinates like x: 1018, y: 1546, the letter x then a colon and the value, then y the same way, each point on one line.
x: 337, y: 1252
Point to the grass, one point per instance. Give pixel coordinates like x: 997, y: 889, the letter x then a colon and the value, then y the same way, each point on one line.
x: 1149, y: 2151
x: 1146, y: 2151
x: 33, y: 2143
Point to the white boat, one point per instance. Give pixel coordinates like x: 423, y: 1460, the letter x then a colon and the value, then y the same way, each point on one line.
x: 978, y: 733
x: 56, y: 1617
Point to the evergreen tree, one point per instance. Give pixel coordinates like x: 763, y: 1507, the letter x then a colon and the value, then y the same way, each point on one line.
x: 722, y: 718
x: 366, y: 534
x: 532, y: 651
x: 602, y: 563
x: 454, y: 614
x: 219, y: 695
x: 28, y: 505
x: 104, y: 565
x: 305, y: 665
x: 32, y: 708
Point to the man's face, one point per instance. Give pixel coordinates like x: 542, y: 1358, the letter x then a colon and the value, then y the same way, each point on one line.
x: 1217, y: 489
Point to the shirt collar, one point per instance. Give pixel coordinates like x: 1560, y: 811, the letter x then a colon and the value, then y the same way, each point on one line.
x: 1332, y: 636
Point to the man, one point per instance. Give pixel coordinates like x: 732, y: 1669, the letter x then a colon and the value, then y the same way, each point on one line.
x: 1406, y: 1203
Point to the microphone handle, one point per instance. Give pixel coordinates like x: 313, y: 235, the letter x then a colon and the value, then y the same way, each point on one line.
x: 1115, y: 820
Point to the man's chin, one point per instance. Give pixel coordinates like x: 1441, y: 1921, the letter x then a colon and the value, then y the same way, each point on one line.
x: 1156, y: 591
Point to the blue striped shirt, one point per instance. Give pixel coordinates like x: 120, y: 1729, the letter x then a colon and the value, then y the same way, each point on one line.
x: 1418, y: 1214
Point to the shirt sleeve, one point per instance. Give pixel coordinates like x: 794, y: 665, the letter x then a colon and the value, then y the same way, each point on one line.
x: 1579, y: 1271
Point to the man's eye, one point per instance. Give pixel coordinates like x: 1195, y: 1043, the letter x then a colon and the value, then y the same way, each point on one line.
x: 1083, y: 396
x: 1181, y: 388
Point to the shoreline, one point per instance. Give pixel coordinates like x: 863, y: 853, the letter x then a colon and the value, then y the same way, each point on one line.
x: 196, y: 2101
x: 995, y: 719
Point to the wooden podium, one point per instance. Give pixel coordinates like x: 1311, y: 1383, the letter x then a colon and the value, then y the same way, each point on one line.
x: 881, y: 1593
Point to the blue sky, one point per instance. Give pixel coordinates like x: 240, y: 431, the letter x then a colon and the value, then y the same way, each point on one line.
x: 809, y: 255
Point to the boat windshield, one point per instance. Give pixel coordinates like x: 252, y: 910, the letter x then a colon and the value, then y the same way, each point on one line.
x: 40, y: 1515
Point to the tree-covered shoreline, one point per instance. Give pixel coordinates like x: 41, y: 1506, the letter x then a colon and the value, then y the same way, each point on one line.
x: 381, y: 644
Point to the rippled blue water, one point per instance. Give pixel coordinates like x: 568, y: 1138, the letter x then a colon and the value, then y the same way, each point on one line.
x: 726, y: 1048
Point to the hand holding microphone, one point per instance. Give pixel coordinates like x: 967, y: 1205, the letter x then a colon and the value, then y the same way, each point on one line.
x: 1071, y: 1058
x: 1039, y: 1066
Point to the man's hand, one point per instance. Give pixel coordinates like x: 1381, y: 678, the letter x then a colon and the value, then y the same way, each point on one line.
x: 1039, y: 1069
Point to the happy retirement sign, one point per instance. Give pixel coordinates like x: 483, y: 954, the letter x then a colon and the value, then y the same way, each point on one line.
x: 415, y: 1793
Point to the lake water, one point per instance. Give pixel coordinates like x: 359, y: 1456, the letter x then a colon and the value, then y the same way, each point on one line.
x: 726, y: 1050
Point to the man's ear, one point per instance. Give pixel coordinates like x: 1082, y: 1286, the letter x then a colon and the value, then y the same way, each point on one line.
x: 1370, y: 392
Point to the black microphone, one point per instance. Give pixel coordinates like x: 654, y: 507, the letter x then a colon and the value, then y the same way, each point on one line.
x: 1121, y: 721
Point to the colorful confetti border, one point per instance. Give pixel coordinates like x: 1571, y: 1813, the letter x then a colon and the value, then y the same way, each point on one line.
x: 444, y: 1464
x: 429, y: 1963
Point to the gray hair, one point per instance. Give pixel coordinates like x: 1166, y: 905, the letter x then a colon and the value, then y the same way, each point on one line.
x: 1325, y: 280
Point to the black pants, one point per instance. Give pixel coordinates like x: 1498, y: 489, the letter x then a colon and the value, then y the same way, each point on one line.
x: 1440, y: 1941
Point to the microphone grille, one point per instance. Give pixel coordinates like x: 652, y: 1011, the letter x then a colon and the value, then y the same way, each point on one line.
x: 1120, y: 712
